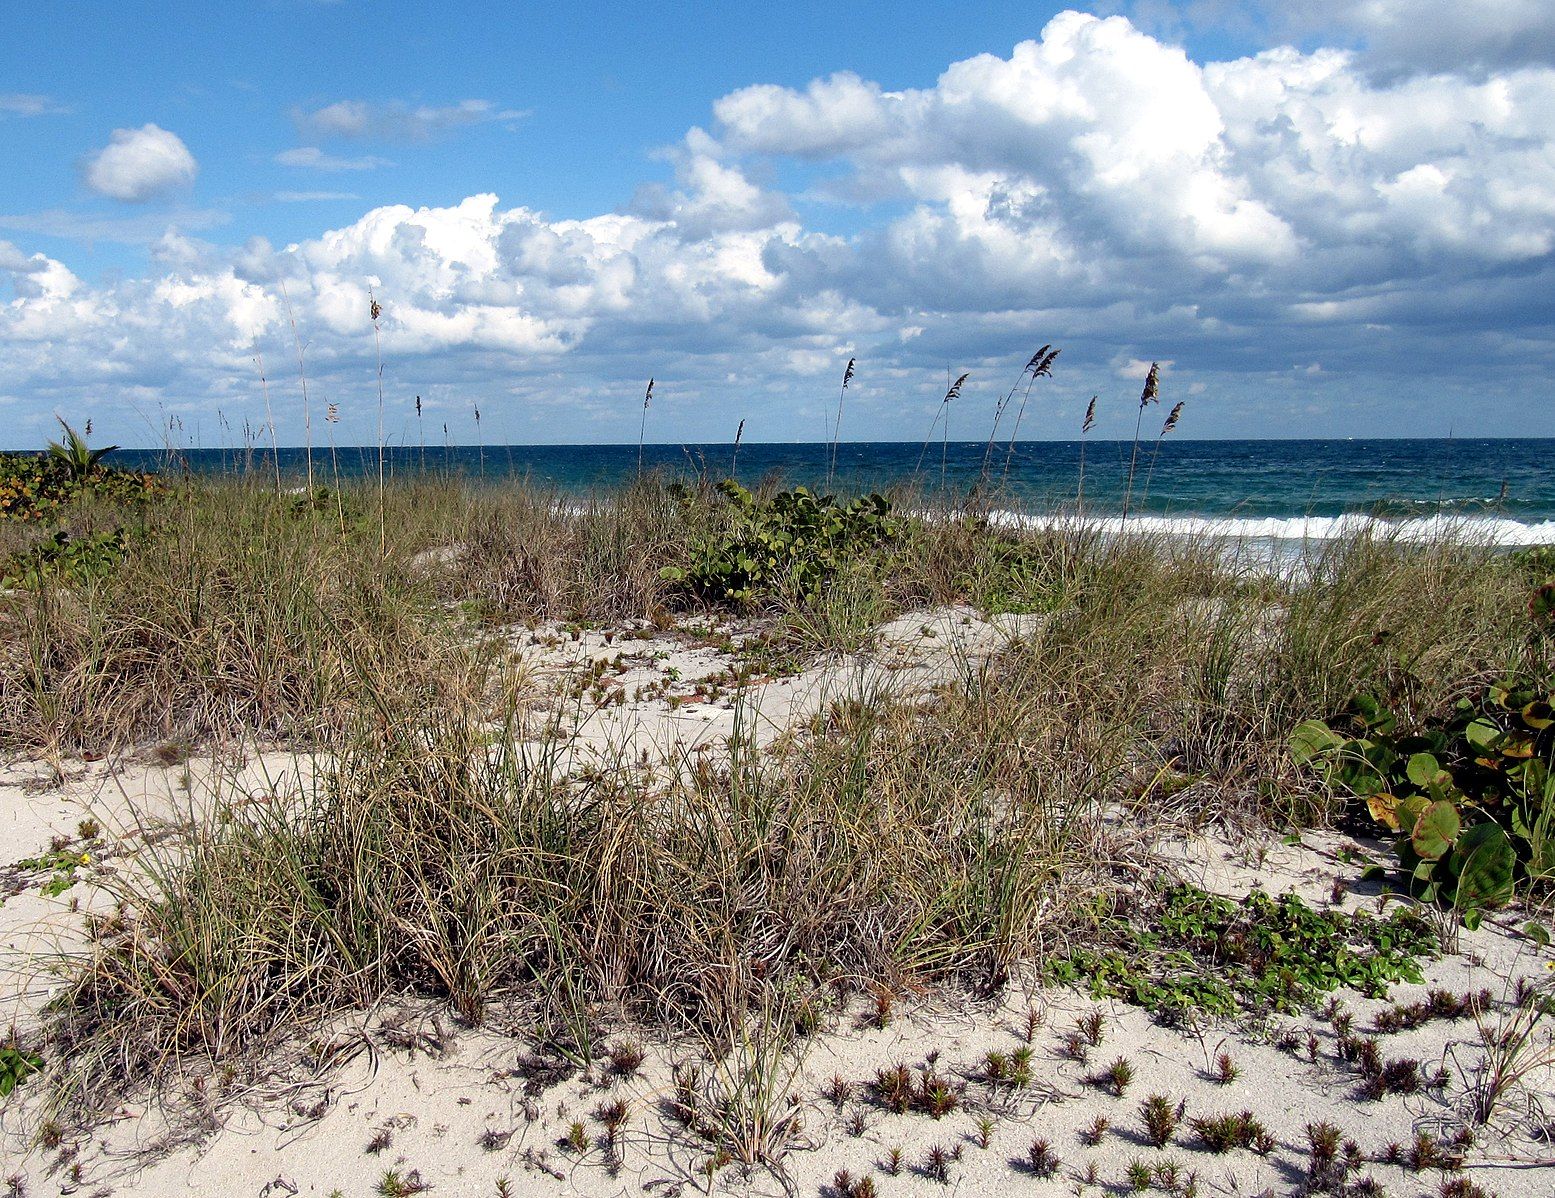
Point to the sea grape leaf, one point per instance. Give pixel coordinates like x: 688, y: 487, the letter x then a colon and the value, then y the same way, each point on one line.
x: 1484, y: 861
x: 1435, y: 830
x: 1423, y: 769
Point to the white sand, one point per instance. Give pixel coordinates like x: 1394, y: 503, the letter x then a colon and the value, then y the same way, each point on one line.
x: 306, y: 1132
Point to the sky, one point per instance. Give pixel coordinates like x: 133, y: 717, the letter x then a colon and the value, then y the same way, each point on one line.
x: 1322, y: 217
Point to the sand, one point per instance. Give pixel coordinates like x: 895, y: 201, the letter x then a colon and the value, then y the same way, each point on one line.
x: 406, y: 1090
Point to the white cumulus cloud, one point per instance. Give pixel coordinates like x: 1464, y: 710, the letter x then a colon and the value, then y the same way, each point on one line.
x: 140, y: 164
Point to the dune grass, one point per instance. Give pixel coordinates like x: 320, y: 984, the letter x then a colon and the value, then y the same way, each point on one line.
x: 444, y: 852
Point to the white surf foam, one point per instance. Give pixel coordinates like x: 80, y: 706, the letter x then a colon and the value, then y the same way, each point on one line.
x: 1480, y: 530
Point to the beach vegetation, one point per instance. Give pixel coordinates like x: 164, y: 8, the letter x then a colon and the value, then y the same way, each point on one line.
x: 66, y: 560
x: 442, y: 852
x: 1010, y: 1069
x: 626, y: 1057
x: 394, y: 1184
x: 1222, y: 1133
x: 1427, y: 1152
x: 1190, y: 950
x: 1514, y: 1047
x: 16, y: 1066
x: 845, y: 1185
x: 884, y: 1004
x: 1117, y: 1077
x: 1325, y: 1168
x: 1041, y: 1160
x: 937, y: 1162
x: 612, y: 1117
x: 73, y: 453
x: 1161, y: 1116
x: 1470, y: 798
x: 50, y: 486
x: 1437, y: 1004
x: 791, y: 542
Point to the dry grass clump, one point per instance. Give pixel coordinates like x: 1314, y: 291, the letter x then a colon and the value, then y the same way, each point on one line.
x: 1204, y: 671
x: 441, y: 856
x: 527, y: 553
x: 1419, y: 624
x: 234, y: 612
x: 237, y: 611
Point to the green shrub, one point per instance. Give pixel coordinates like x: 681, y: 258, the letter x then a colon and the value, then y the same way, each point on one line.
x: 38, y: 486
x: 73, y: 453
x: 74, y: 561
x: 1537, y: 560
x: 795, y: 542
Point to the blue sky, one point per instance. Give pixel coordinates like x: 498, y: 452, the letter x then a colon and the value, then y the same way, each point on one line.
x: 1335, y: 223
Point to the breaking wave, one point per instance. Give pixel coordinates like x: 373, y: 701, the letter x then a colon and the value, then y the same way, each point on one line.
x: 1479, y: 530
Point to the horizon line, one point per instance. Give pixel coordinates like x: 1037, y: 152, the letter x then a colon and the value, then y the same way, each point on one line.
x: 632, y: 446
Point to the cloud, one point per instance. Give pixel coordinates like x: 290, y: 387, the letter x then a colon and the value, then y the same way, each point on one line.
x: 310, y: 197
x: 140, y: 229
x: 1094, y: 187
x: 1139, y: 369
x: 29, y: 104
x: 1093, y: 139
x: 1391, y: 36
x: 713, y: 196
x: 140, y: 164
x: 313, y: 158
x: 396, y: 120
x: 12, y: 259
x: 177, y: 249
x: 1438, y: 35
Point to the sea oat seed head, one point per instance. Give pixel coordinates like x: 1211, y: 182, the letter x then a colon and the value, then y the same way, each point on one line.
x: 1152, y: 385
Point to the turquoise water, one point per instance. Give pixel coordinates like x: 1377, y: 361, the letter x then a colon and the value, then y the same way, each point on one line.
x: 1505, y: 488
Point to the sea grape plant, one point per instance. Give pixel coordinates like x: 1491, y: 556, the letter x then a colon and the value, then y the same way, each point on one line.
x: 72, y: 561
x: 36, y: 487
x: 1471, y: 800
x: 1538, y: 564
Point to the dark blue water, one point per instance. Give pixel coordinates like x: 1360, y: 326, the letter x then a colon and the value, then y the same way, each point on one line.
x: 1508, y: 482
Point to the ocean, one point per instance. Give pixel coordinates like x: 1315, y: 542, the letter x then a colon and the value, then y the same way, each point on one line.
x: 1498, y: 490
